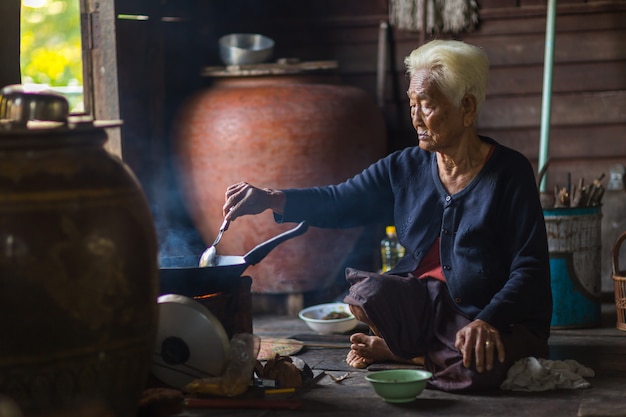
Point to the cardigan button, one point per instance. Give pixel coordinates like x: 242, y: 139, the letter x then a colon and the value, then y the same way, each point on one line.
x: 448, y: 198
x: 447, y: 267
x: 457, y: 300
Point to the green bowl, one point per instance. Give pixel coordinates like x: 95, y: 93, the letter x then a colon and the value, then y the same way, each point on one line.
x: 399, y: 385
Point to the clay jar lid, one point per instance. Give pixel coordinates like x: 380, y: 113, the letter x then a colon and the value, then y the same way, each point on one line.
x: 284, y: 66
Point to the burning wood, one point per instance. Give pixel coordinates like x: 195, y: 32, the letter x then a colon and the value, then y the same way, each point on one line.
x: 205, y: 296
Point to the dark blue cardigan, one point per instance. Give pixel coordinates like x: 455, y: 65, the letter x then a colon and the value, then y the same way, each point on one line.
x: 493, y: 246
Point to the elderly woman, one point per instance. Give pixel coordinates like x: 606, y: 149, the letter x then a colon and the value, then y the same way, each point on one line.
x: 472, y: 295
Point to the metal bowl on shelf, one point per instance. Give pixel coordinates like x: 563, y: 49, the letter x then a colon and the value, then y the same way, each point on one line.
x: 245, y: 48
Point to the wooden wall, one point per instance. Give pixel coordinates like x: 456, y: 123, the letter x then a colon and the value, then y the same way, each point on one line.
x: 588, y: 129
x: 10, y: 44
x: 160, y: 61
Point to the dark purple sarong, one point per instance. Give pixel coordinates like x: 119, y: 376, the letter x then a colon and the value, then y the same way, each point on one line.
x: 417, y: 317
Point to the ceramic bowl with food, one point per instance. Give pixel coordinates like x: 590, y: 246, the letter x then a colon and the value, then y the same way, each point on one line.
x: 329, y: 318
x: 399, y: 385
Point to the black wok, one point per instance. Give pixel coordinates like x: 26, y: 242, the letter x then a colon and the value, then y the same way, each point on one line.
x: 182, y: 275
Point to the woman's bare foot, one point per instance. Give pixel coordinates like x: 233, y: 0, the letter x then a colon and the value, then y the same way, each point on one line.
x: 366, y: 350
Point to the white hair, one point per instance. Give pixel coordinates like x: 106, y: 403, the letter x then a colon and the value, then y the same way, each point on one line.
x: 458, y: 68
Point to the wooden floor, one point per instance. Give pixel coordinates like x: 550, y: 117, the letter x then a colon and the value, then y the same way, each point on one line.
x: 603, y: 349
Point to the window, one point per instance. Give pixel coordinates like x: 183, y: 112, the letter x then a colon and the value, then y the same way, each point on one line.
x: 51, y: 54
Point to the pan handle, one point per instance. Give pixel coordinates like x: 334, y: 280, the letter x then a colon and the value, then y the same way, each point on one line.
x: 263, y: 249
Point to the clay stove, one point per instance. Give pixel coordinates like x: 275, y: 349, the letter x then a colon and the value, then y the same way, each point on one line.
x: 230, y: 300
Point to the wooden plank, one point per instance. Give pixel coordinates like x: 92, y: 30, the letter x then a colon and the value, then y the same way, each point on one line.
x: 597, y: 141
x: 504, y: 12
x: 10, y: 45
x: 567, y: 109
x: 576, y: 155
x: 141, y: 59
x: 607, y: 75
x: 610, y: 404
x: 518, y: 80
x: 134, y: 53
x: 561, y: 162
x: 285, y: 10
x: 498, y: 4
x: 357, y: 51
x: 565, y: 141
x: 337, y: 27
x: 528, y: 49
x: 100, y: 66
x: 578, y: 22
x: 305, y: 36
x: 527, y: 3
x: 505, y: 16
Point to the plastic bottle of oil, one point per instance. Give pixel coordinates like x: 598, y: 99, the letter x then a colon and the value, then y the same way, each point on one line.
x: 390, y: 249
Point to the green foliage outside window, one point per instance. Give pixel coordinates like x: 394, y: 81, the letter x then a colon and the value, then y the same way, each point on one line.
x: 51, y: 47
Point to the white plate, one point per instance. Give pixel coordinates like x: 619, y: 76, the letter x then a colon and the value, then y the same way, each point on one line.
x: 191, y: 342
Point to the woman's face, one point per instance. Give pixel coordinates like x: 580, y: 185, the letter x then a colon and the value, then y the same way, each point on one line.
x: 439, y: 122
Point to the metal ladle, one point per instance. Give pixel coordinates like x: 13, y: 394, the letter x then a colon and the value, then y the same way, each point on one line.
x: 208, y: 256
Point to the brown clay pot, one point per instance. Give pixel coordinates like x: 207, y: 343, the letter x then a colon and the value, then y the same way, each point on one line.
x: 279, y: 131
x: 78, y: 274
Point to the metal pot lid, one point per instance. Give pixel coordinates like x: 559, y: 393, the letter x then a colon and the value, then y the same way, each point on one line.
x: 23, y: 108
x: 191, y: 342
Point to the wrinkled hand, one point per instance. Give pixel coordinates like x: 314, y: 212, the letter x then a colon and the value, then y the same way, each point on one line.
x: 243, y: 198
x: 480, y: 341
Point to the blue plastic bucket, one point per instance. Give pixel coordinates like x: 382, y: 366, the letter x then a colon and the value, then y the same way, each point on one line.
x: 574, y: 242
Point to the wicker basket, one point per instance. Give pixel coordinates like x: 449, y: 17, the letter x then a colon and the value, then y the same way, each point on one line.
x: 619, y: 278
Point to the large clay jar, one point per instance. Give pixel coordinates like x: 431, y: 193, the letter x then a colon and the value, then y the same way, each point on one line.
x: 78, y: 273
x: 276, y: 126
